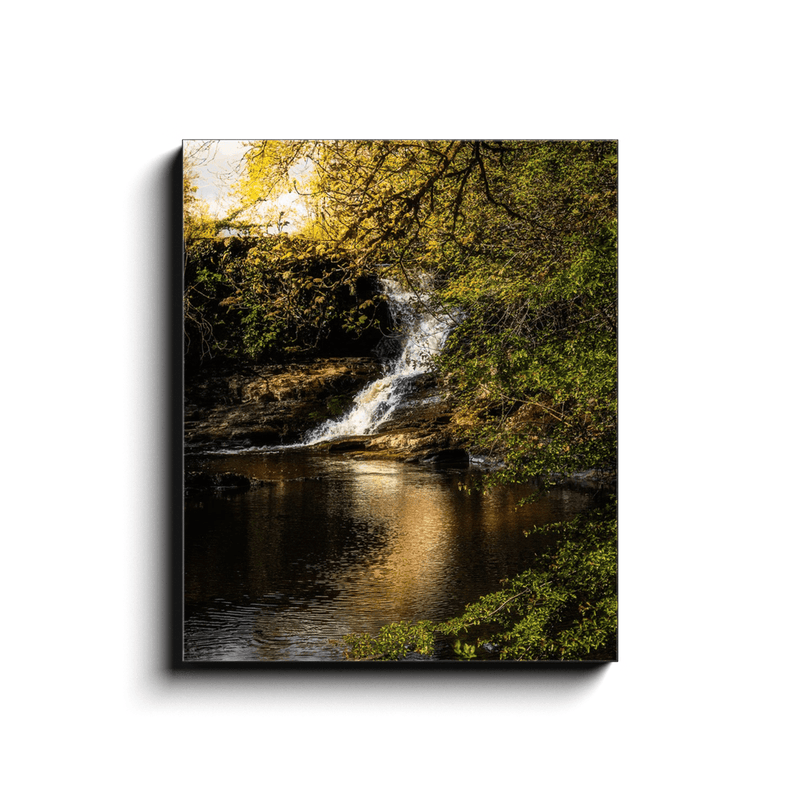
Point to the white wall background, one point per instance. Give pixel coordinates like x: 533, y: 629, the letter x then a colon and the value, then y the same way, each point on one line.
x: 702, y: 96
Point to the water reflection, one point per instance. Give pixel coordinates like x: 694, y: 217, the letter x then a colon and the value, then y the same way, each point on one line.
x: 334, y: 545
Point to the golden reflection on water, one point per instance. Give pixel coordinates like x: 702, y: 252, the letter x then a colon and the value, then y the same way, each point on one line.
x: 410, y: 574
x: 345, y: 546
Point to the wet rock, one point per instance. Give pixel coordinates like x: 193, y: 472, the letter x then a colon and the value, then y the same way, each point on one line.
x: 231, y: 480
x: 348, y: 445
x: 452, y: 456
x: 197, y: 480
x: 404, y: 441
x: 273, y: 404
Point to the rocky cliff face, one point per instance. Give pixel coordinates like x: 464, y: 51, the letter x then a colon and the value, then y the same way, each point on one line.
x: 276, y: 405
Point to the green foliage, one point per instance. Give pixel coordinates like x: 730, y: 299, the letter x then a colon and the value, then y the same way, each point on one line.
x: 273, y: 298
x: 464, y: 651
x: 392, y: 643
x: 533, y: 365
x: 336, y: 405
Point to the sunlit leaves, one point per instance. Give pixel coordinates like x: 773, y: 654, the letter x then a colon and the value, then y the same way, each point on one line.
x: 393, y: 642
x: 537, y: 351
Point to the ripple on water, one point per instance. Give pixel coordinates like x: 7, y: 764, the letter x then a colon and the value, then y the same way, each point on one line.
x: 275, y: 573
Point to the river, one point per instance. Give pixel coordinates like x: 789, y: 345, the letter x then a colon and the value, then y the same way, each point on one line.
x: 337, y: 544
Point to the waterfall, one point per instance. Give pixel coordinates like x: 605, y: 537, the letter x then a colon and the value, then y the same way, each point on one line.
x: 423, y: 336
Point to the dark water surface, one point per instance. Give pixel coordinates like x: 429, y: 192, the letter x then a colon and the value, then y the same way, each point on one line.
x: 336, y: 545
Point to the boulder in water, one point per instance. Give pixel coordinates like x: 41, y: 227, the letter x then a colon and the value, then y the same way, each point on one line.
x: 453, y: 456
x: 224, y: 481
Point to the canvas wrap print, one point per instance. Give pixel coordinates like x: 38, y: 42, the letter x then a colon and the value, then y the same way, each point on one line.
x: 400, y: 410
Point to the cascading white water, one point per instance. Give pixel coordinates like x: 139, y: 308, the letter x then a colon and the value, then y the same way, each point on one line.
x: 424, y: 335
